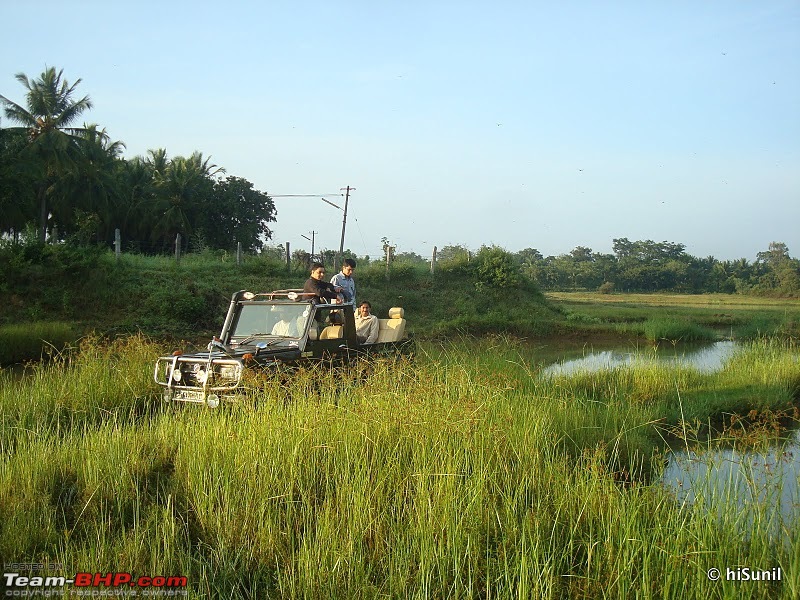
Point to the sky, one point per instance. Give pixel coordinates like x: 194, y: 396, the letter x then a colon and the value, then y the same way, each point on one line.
x: 524, y: 124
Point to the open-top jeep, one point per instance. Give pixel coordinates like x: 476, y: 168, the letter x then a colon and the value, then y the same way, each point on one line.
x: 262, y: 331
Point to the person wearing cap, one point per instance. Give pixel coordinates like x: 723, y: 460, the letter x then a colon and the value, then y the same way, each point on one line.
x: 367, y: 327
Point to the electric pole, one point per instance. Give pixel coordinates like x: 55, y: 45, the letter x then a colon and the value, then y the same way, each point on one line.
x: 347, y: 189
x: 311, y: 239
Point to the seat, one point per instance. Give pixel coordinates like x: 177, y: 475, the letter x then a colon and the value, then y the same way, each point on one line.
x: 332, y: 332
x: 394, y: 328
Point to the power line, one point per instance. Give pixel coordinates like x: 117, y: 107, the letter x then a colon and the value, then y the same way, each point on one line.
x: 302, y: 195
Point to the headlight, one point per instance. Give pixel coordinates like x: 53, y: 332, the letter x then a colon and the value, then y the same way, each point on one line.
x: 201, y: 376
x: 176, y: 374
x: 227, y: 372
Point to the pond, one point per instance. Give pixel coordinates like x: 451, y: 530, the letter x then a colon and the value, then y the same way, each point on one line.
x: 764, y: 486
x: 706, y: 357
x: 754, y: 481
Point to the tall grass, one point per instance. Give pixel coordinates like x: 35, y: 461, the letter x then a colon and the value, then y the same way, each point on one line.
x: 676, y: 330
x: 32, y: 341
x: 462, y: 475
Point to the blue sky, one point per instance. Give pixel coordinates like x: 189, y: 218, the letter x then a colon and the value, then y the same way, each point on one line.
x: 523, y: 124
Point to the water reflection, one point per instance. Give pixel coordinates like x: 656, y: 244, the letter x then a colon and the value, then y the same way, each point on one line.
x: 706, y: 358
x: 763, y: 485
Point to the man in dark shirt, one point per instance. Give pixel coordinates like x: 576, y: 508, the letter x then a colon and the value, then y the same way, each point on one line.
x: 323, y: 291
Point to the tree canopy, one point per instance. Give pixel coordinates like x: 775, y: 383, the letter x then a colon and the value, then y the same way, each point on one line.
x: 72, y: 182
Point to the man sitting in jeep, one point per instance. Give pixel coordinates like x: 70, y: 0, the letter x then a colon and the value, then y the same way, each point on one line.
x: 367, y: 326
x: 286, y: 326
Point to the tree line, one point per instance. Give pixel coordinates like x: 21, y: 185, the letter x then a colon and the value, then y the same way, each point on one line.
x: 59, y: 181
x: 62, y: 181
x: 639, y: 266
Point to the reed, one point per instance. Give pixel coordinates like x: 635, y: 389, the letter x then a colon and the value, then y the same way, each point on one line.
x: 33, y: 341
x: 676, y: 330
x: 465, y: 474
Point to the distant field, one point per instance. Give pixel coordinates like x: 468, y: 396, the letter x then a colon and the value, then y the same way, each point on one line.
x: 732, y: 315
x: 710, y: 301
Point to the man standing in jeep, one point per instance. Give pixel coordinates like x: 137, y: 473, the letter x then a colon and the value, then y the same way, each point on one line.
x: 344, y: 279
x: 323, y: 292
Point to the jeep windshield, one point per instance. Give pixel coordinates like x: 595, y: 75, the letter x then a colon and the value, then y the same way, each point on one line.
x: 259, y: 320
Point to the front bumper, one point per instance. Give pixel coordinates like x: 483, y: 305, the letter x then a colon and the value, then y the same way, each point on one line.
x: 199, y: 380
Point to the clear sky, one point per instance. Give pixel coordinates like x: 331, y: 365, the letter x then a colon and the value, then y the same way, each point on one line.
x: 524, y: 124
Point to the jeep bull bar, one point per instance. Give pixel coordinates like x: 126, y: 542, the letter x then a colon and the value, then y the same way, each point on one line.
x: 198, y: 380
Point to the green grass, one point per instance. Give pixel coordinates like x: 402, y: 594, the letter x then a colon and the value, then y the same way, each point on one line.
x: 152, y: 294
x: 156, y: 296
x: 676, y: 330
x: 729, y: 315
x: 465, y: 474
x: 33, y: 341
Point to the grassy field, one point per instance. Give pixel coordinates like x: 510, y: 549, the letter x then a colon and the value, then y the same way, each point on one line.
x: 155, y: 296
x: 463, y: 475
x: 682, y: 316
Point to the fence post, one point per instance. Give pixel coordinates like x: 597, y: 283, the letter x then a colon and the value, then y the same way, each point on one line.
x: 177, y: 248
x: 117, y: 244
x: 288, y: 259
x: 433, y: 260
x: 238, y: 253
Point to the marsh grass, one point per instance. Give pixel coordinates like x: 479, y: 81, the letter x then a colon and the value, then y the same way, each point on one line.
x: 34, y: 341
x: 676, y: 330
x: 681, y: 316
x: 464, y: 474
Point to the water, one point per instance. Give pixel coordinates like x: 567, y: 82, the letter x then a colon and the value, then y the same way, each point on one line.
x: 758, y: 484
x: 706, y: 358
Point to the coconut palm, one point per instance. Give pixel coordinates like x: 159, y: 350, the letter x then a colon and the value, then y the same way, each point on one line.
x: 94, y: 189
x: 52, y: 144
x: 17, y: 203
x: 181, y: 186
x: 131, y: 213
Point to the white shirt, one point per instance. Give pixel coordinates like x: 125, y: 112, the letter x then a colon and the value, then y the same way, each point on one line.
x: 284, y: 328
x: 367, y: 327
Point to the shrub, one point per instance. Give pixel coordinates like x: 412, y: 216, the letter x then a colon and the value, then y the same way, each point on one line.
x: 606, y: 287
x: 497, y: 268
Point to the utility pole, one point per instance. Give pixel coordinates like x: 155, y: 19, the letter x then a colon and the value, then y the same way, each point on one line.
x: 347, y: 189
x: 311, y: 239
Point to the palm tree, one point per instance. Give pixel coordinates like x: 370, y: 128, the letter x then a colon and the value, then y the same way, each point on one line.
x: 181, y: 187
x: 131, y: 213
x: 52, y: 144
x: 95, y: 188
x: 17, y: 204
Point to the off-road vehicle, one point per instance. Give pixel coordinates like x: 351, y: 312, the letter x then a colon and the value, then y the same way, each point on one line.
x: 267, y: 331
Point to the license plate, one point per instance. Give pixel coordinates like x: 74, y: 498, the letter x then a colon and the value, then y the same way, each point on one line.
x: 188, y: 396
